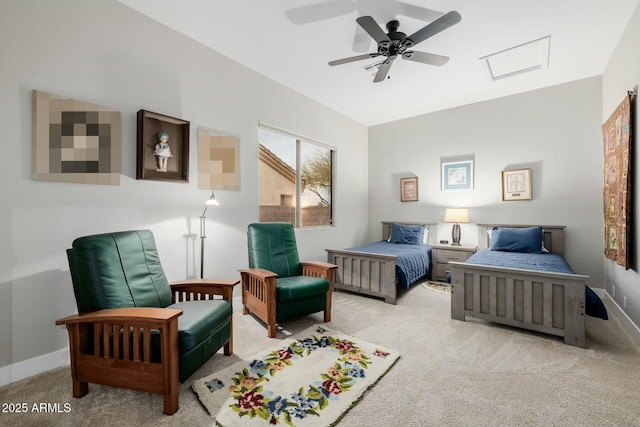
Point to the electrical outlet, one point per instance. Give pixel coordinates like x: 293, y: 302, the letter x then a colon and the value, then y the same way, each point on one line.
x: 613, y: 291
x: 624, y: 303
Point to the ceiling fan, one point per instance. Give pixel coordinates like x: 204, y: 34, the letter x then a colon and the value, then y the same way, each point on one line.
x: 395, y: 43
x: 328, y: 9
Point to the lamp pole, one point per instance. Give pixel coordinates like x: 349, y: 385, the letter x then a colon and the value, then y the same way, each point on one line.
x: 211, y: 201
x: 202, y: 237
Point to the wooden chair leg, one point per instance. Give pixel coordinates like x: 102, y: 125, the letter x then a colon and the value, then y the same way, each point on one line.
x: 327, y: 311
x: 80, y: 389
x: 270, y: 303
x: 228, y: 347
x: 169, y: 348
x: 271, y: 330
x: 171, y: 402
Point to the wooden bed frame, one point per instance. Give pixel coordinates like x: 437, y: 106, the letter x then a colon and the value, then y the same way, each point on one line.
x: 552, y: 303
x: 369, y: 273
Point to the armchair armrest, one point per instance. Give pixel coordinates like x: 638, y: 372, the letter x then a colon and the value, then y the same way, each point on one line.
x: 141, y: 315
x: 319, y: 264
x: 258, y: 281
x: 259, y: 295
x: 318, y: 268
x: 258, y: 273
x: 198, y: 289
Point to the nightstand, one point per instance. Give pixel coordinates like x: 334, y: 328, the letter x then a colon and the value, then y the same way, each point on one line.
x: 442, y: 254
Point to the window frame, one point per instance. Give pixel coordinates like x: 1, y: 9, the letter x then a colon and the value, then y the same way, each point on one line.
x: 299, y: 139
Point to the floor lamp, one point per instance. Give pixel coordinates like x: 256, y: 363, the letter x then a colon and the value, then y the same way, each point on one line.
x: 211, y: 201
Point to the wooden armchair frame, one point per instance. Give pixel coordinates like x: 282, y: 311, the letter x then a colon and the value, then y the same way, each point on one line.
x: 259, y: 291
x: 112, y: 357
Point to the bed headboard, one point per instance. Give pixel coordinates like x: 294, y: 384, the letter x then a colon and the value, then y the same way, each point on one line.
x: 431, y: 226
x: 552, y: 236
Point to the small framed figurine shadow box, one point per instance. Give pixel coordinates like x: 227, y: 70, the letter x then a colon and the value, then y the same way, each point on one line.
x: 163, y: 147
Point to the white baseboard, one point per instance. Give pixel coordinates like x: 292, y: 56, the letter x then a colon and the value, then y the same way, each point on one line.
x: 28, y: 368
x: 625, y: 321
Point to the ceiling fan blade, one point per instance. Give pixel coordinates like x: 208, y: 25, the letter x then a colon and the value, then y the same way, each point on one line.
x: 418, y: 12
x: 353, y: 59
x: 373, y: 29
x: 445, y: 21
x: 319, y: 11
x: 425, y: 58
x: 383, y: 70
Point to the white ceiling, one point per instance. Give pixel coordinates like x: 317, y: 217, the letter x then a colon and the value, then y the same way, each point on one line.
x: 269, y: 37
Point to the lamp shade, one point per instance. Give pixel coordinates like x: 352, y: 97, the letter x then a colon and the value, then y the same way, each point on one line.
x: 211, y: 201
x: 457, y: 215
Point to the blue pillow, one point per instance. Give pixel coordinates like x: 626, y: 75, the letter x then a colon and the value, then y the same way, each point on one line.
x: 594, y: 305
x: 407, y: 234
x: 527, y: 240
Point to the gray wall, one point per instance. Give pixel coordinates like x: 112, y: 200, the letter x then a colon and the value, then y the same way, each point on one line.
x: 108, y: 54
x: 554, y: 131
x: 622, y: 74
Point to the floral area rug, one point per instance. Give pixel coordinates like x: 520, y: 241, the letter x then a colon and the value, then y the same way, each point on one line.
x: 308, y: 381
x: 437, y: 286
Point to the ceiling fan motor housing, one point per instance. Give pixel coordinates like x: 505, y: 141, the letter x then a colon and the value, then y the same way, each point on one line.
x: 397, y: 42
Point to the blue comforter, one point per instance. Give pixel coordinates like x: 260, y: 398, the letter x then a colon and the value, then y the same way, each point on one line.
x: 413, y: 262
x: 549, y: 262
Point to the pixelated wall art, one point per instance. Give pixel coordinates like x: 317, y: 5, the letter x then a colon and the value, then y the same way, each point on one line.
x: 218, y: 161
x: 74, y: 141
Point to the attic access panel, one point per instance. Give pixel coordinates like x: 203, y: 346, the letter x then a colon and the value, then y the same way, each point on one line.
x: 530, y: 56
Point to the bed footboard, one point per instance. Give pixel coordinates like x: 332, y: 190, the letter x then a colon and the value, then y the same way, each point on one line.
x: 365, y: 273
x: 552, y: 303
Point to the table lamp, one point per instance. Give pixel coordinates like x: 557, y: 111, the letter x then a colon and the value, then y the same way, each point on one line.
x: 457, y: 216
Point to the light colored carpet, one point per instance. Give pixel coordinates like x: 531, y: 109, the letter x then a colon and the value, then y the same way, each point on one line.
x: 451, y: 373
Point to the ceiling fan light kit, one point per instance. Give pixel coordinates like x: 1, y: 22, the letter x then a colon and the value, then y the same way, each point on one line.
x: 395, y: 43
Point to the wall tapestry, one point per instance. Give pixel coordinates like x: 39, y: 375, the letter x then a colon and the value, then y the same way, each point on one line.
x: 218, y: 161
x: 616, y: 132
x: 74, y: 141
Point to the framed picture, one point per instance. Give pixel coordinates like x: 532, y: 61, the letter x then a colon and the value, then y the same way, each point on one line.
x: 218, y: 160
x: 163, y: 147
x: 75, y: 141
x: 409, y: 189
x: 516, y: 185
x: 457, y: 175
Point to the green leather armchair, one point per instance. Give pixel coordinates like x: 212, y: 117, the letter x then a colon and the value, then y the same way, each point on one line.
x: 277, y: 286
x: 134, y: 330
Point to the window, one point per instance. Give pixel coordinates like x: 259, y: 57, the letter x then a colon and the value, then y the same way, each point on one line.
x: 295, y: 179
